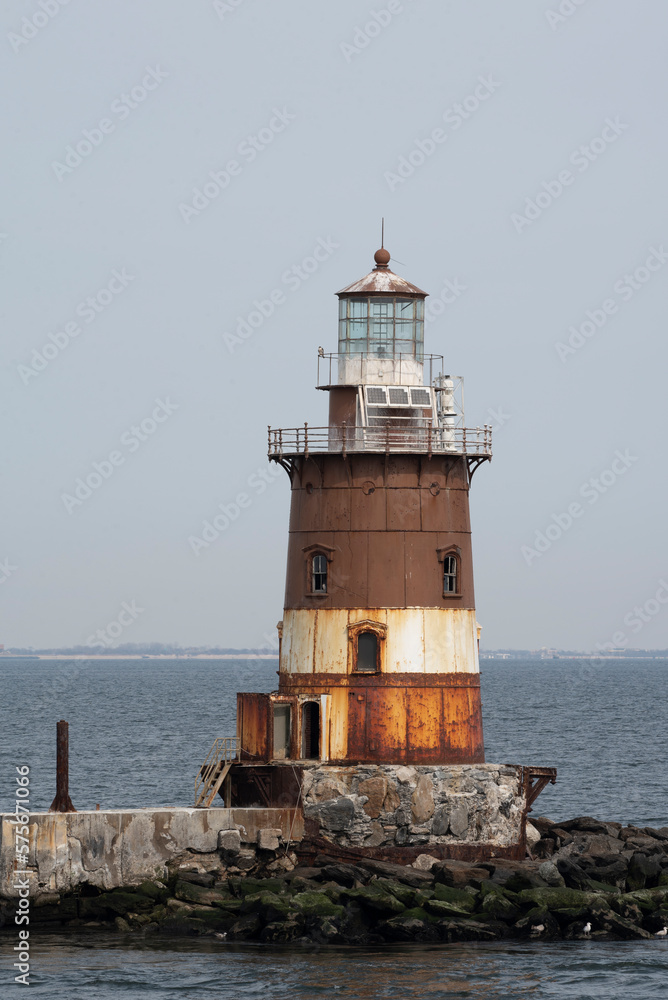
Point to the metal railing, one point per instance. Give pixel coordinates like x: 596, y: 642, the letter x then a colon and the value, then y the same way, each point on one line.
x: 223, y: 753
x: 292, y: 441
x: 328, y: 364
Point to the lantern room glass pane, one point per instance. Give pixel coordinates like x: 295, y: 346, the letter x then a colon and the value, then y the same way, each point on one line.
x: 358, y: 308
x: 384, y: 326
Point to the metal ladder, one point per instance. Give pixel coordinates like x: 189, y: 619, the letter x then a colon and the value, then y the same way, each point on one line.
x: 215, y: 769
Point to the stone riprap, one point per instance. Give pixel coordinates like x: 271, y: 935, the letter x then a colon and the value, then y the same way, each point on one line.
x: 113, y: 848
x: 587, y: 879
x: 375, y: 806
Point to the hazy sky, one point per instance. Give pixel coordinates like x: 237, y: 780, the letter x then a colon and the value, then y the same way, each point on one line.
x: 317, y: 119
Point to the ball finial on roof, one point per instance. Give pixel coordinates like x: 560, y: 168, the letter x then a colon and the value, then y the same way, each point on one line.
x: 382, y: 257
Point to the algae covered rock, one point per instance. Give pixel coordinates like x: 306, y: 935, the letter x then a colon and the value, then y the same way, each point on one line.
x: 411, y: 925
x: 316, y: 904
x: 499, y: 907
x: 552, y: 898
x: 376, y: 899
x: 249, y: 886
x: 464, y: 899
x: 154, y: 890
x: 269, y: 905
x: 247, y: 926
x: 189, y: 892
x: 442, y: 909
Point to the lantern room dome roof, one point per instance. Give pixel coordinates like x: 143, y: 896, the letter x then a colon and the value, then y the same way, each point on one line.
x: 382, y: 280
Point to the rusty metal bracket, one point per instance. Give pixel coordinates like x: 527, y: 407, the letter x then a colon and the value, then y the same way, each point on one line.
x: 534, y: 780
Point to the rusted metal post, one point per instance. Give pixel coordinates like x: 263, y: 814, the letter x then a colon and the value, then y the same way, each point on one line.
x: 62, y: 802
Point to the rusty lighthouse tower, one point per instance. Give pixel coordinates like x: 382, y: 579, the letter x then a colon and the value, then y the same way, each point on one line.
x: 372, y: 745
x: 379, y: 640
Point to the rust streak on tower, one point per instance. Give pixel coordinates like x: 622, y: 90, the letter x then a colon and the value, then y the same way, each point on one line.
x: 379, y: 640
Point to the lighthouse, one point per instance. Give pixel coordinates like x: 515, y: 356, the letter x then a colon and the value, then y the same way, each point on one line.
x: 372, y: 744
x: 378, y: 654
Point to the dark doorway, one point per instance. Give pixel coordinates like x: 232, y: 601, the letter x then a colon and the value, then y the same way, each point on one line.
x: 311, y: 730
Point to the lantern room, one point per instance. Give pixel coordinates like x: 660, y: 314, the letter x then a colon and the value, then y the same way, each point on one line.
x: 381, y: 328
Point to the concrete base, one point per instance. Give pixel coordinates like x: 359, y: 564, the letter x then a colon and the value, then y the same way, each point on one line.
x: 113, y: 848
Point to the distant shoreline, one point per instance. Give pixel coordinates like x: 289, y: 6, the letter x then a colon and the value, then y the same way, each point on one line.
x: 136, y: 656
x: 274, y: 656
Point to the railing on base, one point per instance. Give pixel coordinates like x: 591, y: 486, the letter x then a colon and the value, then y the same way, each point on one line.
x: 214, y: 770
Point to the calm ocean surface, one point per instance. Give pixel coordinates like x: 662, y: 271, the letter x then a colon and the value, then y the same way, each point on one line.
x: 140, y: 728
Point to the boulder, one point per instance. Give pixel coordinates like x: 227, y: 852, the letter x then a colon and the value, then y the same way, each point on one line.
x: 572, y: 874
x: 245, y: 927
x: 344, y: 874
x: 463, y: 898
x: 120, y: 902
x: 198, y: 878
x: 459, y: 819
x: 441, y: 908
x: 249, y: 886
x: 424, y: 862
x: 467, y: 930
x: 268, y: 839
x: 269, y: 905
x: 316, y: 904
x: 392, y: 800
x: 229, y: 841
x: 613, y: 874
x: 499, y: 907
x: 190, y: 893
x: 328, y: 789
x: 544, y: 848
x: 422, y: 800
x: 154, y: 890
x: 643, y: 871
x: 542, y: 824
x: 551, y: 875
x: 587, y: 824
x: 458, y: 873
x: 615, y: 924
x: 182, y: 925
x: 283, y: 931
x: 551, y: 898
x: 408, y: 876
x: 375, y: 790
x: 598, y: 845
x: 404, y: 893
x: 337, y: 814
x: 661, y: 834
x: 375, y: 898
x: 533, y: 835
x: 376, y: 837
x: 412, y: 925
x: 440, y: 824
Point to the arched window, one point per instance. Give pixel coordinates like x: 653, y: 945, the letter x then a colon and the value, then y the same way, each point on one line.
x: 367, y: 652
x: 450, y: 575
x: 366, y: 642
x: 451, y: 557
x: 319, y: 574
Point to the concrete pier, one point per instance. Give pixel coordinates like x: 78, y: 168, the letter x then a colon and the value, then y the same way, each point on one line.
x: 118, y: 847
